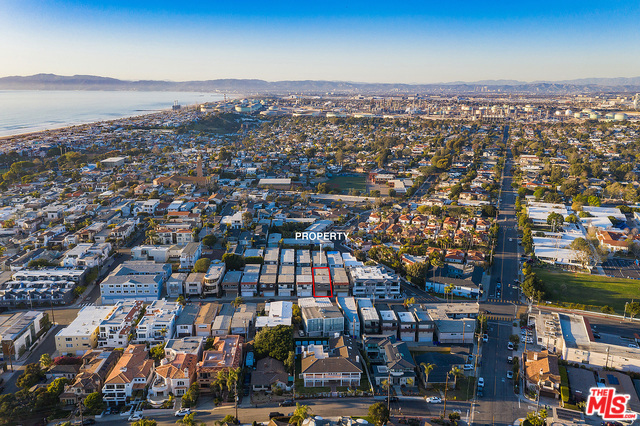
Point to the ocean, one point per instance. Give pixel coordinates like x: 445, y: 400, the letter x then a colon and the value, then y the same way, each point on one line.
x: 24, y: 111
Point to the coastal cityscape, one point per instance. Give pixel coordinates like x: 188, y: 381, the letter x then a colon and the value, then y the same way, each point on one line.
x: 319, y: 214
x: 465, y: 259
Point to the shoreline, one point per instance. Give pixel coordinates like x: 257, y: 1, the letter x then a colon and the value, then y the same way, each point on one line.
x: 30, y: 132
x: 70, y: 125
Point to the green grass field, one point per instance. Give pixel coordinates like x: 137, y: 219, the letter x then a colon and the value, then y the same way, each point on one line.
x: 586, y: 289
x: 345, y: 183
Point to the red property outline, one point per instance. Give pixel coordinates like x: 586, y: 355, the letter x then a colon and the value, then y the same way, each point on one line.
x: 313, y: 280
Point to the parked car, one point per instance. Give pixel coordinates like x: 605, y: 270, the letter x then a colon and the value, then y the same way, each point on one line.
x: 510, y: 346
x: 509, y: 360
x: 467, y: 367
x: 135, y: 417
x: 275, y: 414
x: 434, y: 400
x: 287, y: 403
x: 509, y: 374
x: 182, y: 412
x: 485, y: 337
x: 480, y: 382
x: 393, y: 399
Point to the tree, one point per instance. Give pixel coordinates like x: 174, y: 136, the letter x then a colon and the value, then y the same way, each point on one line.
x: 275, y: 342
x: 247, y: 218
x: 233, y: 261
x: 555, y: 219
x: 379, y: 413
x: 157, y: 352
x: 360, y: 255
x: 290, y: 362
x: 57, y: 386
x: 427, y: 368
x: 527, y: 240
x: 181, y: 300
x: 209, y: 240
x: 323, y: 188
x: 537, y: 418
x: 454, y: 417
x: 31, y: 376
x: 526, y: 269
x: 228, y: 419
x: 301, y: 413
x: 238, y: 301
x: 46, y: 361
x: 448, y: 290
x: 417, y: 273
x: 188, y: 420
x: 93, y: 401
x: 202, y: 265
x: 392, y: 193
x: 633, y: 309
x: 456, y: 373
x: 190, y: 397
x: 145, y: 422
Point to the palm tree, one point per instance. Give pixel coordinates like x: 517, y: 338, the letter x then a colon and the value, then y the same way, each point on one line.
x: 301, y: 413
x: 448, y: 290
x: 456, y: 372
x: 427, y: 368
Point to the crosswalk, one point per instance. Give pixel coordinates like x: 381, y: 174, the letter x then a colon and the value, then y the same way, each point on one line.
x: 498, y: 317
x: 506, y: 301
x: 84, y: 305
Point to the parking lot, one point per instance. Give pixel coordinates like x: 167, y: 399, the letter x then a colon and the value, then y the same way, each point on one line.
x: 621, y: 268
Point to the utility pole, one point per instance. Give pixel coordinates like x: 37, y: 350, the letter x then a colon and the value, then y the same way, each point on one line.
x: 446, y: 387
x: 236, y: 390
x: 388, y: 390
x: 81, y: 414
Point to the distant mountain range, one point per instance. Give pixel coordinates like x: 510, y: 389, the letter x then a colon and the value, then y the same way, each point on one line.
x: 253, y: 86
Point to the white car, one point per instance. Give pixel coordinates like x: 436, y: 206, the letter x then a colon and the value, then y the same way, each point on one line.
x: 480, y: 382
x: 509, y: 374
x: 485, y: 338
x: 434, y: 400
x: 183, y: 412
x: 510, y: 346
x: 467, y: 367
x: 135, y: 417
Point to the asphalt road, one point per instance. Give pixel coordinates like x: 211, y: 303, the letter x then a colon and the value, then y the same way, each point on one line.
x: 322, y: 407
x: 499, y: 405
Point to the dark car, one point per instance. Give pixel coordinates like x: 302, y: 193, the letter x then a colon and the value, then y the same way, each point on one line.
x: 275, y: 414
x: 287, y: 403
x: 393, y: 399
x: 88, y: 422
x: 246, y: 391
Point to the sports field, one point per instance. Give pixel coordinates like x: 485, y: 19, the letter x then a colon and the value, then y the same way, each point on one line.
x: 345, y: 183
x: 587, y: 289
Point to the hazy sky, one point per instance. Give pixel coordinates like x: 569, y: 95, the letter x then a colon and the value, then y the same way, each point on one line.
x: 392, y: 41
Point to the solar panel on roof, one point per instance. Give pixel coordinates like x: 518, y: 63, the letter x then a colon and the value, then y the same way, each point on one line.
x: 613, y: 380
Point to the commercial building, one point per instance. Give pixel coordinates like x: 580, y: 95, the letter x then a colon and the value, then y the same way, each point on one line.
x: 137, y: 280
x: 82, y: 334
x: 20, y: 331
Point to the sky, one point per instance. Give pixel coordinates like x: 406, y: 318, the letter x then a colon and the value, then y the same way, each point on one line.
x: 350, y: 40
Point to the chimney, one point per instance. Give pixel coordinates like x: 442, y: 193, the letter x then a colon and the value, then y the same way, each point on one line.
x: 535, y: 356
